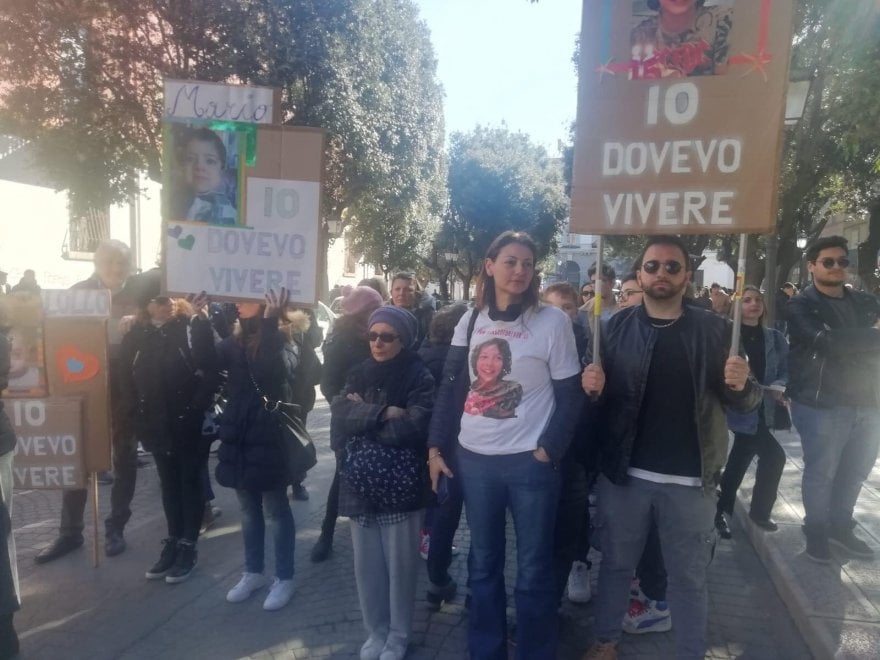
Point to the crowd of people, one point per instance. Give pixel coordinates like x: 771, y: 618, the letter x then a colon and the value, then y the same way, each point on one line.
x: 496, y: 408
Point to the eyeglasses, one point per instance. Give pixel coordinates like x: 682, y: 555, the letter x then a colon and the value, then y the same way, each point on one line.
x: 671, y: 267
x: 586, y: 293
x: 626, y: 293
x: 828, y: 262
x: 161, y: 300
x: 386, y: 337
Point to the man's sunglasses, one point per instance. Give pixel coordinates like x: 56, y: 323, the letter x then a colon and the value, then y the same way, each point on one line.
x: 386, y: 337
x: 828, y: 262
x: 671, y: 267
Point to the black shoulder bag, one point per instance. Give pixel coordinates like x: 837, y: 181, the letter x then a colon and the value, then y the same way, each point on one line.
x: 296, y: 442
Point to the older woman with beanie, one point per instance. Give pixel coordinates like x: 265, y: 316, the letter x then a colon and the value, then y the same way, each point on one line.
x: 380, y: 422
x: 345, y: 348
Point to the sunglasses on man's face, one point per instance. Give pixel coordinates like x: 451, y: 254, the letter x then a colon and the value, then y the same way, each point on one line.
x: 653, y: 266
x: 828, y: 262
x: 386, y: 337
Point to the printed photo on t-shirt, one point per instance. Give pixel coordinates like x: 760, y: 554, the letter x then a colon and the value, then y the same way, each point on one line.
x: 490, y: 394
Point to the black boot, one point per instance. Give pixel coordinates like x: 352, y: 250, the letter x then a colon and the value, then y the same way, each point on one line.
x: 58, y: 548
x: 817, y: 544
x: 184, y: 562
x: 166, y: 560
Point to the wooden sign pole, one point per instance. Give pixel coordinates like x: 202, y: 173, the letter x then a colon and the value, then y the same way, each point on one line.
x: 597, y: 305
x: 95, y: 535
x: 737, y: 300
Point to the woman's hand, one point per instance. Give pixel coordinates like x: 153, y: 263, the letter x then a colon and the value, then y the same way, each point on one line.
x: 436, y: 467
x: 736, y: 373
x: 393, y: 411
x: 541, y: 455
x: 276, y: 304
x: 199, y: 304
x: 354, y: 396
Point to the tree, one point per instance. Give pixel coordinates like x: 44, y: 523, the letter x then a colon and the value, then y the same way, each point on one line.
x: 82, y: 81
x: 499, y: 180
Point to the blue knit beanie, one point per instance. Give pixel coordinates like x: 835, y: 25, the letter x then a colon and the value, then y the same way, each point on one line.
x: 403, y: 322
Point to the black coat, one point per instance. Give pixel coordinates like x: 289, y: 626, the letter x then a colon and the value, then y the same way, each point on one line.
x: 343, y: 350
x: 627, y: 350
x: 7, y: 434
x: 170, y: 382
x: 828, y: 362
x: 251, y: 456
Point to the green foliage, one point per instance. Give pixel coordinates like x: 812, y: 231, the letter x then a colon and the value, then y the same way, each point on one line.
x: 499, y: 180
x: 82, y: 80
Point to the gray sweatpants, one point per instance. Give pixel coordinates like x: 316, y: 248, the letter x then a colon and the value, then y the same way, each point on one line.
x: 684, y: 517
x: 386, y: 566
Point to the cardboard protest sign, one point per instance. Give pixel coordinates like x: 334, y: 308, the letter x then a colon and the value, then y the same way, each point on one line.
x: 195, y: 99
x: 238, y: 234
x: 27, y: 372
x: 680, y: 113
x: 76, y: 361
x: 48, y: 451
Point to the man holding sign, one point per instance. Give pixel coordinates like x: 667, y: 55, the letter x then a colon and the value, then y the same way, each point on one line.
x: 664, y: 442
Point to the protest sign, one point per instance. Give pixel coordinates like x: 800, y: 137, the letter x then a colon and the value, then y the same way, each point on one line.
x: 48, y: 450
x: 27, y: 364
x: 76, y: 361
x: 680, y: 114
x: 238, y: 234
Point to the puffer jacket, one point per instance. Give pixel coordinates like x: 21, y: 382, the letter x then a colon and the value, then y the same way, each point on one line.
x: 828, y: 364
x: 251, y: 456
x: 364, y: 418
x: 627, y: 349
x: 775, y: 373
x: 170, y: 382
x: 345, y: 348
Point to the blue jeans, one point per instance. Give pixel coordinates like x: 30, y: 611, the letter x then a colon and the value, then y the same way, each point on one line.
x: 253, y: 530
x: 530, y: 489
x: 840, y: 448
x: 684, y: 517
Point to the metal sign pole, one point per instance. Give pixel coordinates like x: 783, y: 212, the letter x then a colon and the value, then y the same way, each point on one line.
x: 737, y: 300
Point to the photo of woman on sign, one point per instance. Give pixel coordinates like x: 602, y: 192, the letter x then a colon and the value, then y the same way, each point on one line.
x: 490, y: 395
x: 204, y: 176
x: 680, y: 38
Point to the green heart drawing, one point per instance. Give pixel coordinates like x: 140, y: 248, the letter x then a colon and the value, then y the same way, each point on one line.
x: 187, y: 242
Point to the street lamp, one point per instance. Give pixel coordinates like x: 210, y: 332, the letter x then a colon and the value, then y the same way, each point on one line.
x: 802, y: 263
x: 333, y: 227
x: 450, y: 256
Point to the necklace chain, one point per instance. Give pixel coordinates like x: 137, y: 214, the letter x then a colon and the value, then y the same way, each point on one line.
x: 667, y: 324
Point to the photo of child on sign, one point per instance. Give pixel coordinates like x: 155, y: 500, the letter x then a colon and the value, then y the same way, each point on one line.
x: 21, y: 322
x: 680, y: 38
x: 202, y: 167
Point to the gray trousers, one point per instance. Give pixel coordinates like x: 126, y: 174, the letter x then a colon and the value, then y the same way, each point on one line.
x: 684, y: 516
x: 386, y: 566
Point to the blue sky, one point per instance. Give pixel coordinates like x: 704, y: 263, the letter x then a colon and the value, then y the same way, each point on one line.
x: 507, y: 61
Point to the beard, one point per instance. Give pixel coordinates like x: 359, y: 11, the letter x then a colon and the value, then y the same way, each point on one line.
x: 670, y: 290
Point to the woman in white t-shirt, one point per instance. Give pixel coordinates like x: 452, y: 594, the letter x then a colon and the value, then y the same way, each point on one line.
x: 503, y: 418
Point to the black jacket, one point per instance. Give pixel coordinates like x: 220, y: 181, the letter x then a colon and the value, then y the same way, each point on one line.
x: 170, y: 382
x: 364, y: 418
x: 828, y: 363
x: 343, y: 350
x: 7, y: 434
x: 627, y: 348
x: 251, y: 456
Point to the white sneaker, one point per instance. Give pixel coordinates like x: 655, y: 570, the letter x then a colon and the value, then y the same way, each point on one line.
x: 372, y: 648
x: 395, y: 649
x: 280, y: 594
x: 647, y: 617
x: 579, y: 583
x: 247, y: 585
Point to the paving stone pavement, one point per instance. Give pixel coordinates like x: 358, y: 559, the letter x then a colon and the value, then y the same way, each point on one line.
x: 72, y: 610
x: 837, y: 606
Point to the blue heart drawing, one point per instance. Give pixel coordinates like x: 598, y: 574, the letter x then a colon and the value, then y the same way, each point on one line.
x: 75, y: 366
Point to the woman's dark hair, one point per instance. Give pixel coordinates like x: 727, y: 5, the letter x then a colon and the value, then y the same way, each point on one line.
x: 503, y: 348
x: 377, y: 285
x: 752, y: 287
x: 654, y: 5
x: 205, y: 135
x: 486, y: 283
x: 443, y: 324
x: 816, y: 247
